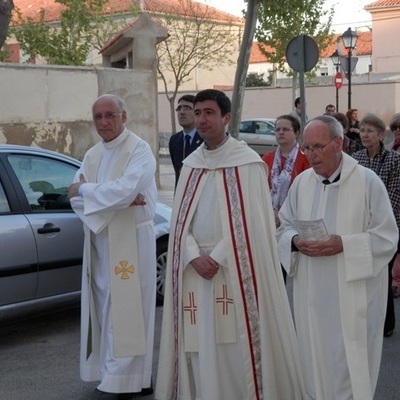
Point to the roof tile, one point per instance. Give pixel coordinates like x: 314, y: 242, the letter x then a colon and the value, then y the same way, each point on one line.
x: 382, y: 4
x: 31, y: 8
x: 363, y: 47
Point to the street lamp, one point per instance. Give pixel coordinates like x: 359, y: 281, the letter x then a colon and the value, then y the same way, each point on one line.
x: 336, y: 62
x: 349, y: 39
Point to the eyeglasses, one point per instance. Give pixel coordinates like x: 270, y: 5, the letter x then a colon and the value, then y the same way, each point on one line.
x: 183, y: 108
x: 108, y: 116
x: 394, y: 127
x: 284, y: 130
x: 314, y: 149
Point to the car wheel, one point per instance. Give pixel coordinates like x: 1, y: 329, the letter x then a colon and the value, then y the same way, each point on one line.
x: 162, y: 251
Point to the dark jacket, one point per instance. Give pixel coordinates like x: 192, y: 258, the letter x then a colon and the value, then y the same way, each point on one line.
x: 176, y: 150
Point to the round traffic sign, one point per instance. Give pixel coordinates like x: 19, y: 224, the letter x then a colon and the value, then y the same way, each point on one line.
x: 302, y: 53
x: 338, y: 80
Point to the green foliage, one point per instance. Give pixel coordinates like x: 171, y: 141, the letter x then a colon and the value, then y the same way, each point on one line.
x: 5, y: 53
x: 254, y: 79
x: 69, y: 41
x: 280, y: 21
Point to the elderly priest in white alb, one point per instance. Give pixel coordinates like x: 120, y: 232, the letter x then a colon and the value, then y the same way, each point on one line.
x: 114, y: 194
x: 339, y: 283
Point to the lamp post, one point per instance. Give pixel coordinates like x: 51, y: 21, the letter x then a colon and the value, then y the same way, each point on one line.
x: 336, y: 62
x: 349, y: 39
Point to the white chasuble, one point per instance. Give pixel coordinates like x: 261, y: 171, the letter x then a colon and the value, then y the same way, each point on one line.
x: 230, y: 337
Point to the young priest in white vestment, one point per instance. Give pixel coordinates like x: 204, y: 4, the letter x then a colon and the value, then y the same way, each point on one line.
x: 227, y: 331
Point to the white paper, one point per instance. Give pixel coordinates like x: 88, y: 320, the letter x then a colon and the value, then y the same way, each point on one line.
x: 314, y: 230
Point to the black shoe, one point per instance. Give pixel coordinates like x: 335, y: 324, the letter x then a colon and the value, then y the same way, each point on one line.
x: 388, y: 333
x: 100, y: 395
x: 147, y: 391
x: 130, y: 396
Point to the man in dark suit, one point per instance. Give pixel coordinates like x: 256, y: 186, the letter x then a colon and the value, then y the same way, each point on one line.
x: 183, y: 143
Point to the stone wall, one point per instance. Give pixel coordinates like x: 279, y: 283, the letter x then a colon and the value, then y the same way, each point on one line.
x: 50, y: 106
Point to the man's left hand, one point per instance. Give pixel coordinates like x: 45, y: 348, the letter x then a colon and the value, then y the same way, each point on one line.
x: 73, y: 190
x: 330, y: 247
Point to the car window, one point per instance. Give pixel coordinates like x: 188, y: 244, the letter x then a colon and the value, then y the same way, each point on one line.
x: 247, y: 127
x: 4, y: 206
x: 265, y: 128
x: 45, y: 181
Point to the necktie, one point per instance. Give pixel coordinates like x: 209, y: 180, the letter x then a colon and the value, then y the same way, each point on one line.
x: 187, y: 145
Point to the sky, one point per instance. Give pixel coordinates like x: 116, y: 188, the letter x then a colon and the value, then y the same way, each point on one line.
x: 348, y: 13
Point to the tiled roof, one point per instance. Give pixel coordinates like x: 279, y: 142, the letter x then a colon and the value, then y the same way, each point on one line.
x: 363, y: 48
x: 31, y: 8
x: 382, y: 4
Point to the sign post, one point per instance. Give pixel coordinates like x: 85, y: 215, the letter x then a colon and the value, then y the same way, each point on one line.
x: 338, y: 84
x: 302, y: 55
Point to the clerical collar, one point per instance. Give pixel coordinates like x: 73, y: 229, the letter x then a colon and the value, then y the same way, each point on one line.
x: 218, y: 145
x: 334, y: 177
x: 116, y: 141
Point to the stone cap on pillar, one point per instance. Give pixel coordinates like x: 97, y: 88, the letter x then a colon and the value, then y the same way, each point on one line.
x: 134, y: 47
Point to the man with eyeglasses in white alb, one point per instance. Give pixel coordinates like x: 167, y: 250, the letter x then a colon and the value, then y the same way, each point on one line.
x: 114, y: 194
x: 184, y: 142
x: 336, y: 237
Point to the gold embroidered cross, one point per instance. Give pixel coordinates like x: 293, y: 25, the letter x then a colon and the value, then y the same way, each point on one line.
x: 124, y: 270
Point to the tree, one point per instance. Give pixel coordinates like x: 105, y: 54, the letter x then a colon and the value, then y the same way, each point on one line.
x: 197, y: 40
x: 277, y: 27
x: 254, y: 79
x: 243, y: 65
x: 70, y: 41
x: 6, y: 7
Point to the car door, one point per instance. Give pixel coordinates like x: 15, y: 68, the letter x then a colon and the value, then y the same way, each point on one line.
x: 18, y: 256
x: 42, y: 182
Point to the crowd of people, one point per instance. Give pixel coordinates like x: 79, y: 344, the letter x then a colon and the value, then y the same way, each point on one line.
x: 325, y: 210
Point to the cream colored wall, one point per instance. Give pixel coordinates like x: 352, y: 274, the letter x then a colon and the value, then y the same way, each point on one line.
x: 382, y: 99
x: 385, y: 43
x: 50, y: 107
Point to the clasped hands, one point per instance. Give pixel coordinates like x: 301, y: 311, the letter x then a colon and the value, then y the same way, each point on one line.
x: 73, y: 191
x: 330, y: 247
x: 205, y: 266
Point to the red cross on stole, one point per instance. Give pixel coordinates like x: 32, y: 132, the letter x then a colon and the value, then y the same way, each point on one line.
x: 191, y: 308
x: 224, y: 300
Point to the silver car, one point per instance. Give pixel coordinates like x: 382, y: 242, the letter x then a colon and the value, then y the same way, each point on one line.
x: 41, y: 238
x: 259, y: 134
